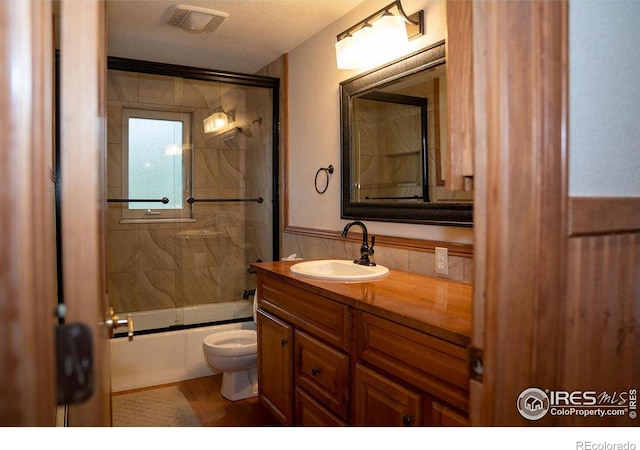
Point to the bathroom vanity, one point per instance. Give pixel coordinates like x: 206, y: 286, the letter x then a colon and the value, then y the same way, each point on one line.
x: 387, y: 352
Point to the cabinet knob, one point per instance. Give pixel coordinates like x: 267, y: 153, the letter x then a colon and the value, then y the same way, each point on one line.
x: 283, y: 342
x: 406, y: 420
x: 315, y: 371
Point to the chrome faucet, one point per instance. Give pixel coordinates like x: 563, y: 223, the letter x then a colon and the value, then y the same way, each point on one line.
x: 365, y: 250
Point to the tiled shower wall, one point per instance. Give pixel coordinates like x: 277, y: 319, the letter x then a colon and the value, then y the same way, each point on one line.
x: 165, y: 265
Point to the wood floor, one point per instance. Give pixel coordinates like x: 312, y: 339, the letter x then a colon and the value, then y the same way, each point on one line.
x: 213, y: 410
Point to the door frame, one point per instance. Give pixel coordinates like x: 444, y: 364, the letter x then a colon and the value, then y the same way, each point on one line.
x: 83, y: 70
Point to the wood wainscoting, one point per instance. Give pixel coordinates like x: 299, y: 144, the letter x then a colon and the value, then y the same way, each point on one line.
x: 603, y: 215
x: 601, y: 316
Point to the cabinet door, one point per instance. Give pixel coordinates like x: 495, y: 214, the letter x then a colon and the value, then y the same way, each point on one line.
x: 446, y: 417
x: 460, y: 106
x: 275, y: 366
x: 310, y: 413
x: 381, y: 402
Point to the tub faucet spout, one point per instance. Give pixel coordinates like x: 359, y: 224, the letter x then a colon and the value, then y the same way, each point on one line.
x: 365, y: 249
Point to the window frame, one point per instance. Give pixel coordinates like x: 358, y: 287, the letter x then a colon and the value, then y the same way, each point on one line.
x: 186, y: 213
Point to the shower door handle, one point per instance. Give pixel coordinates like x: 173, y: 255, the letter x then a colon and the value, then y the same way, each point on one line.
x: 114, y: 322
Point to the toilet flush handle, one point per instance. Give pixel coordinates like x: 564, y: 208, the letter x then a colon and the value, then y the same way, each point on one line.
x: 114, y: 322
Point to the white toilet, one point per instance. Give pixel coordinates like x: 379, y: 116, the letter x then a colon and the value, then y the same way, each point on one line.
x: 235, y: 354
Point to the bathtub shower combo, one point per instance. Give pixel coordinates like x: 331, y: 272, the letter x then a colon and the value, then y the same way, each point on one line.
x: 192, y: 201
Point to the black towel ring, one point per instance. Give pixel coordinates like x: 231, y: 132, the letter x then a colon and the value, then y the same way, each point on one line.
x: 327, y: 171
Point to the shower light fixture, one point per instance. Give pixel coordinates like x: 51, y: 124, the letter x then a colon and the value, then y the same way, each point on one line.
x: 218, y: 120
x: 381, y: 37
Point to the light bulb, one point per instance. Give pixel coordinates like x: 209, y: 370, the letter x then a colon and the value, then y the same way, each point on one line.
x: 390, y: 38
x: 346, y: 57
x: 365, y: 46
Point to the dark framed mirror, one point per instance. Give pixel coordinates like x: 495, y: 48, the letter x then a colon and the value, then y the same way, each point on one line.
x: 394, y: 143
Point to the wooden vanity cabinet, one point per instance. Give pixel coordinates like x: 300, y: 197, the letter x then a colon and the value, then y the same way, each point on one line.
x: 314, y: 391
x: 315, y: 370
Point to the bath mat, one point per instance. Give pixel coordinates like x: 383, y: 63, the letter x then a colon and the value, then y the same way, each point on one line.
x: 161, y: 407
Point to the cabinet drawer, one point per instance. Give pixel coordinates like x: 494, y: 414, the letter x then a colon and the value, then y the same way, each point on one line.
x: 431, y: 364
x: 310, y: 413
x: 322, y: 372
x: 313, y: 313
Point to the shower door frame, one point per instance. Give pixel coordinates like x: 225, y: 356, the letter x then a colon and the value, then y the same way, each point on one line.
x: 197, y: 73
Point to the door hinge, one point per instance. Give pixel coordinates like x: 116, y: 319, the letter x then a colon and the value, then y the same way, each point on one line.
x: 475, y: 364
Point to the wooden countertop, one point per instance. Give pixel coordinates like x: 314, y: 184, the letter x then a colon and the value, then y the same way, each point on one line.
x: 436, y: 306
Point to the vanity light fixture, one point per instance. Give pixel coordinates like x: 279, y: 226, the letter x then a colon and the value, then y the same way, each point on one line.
x: 381, y: 37
x: 218, y: 120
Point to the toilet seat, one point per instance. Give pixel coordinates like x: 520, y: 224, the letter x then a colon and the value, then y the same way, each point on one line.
x: 232, y: 343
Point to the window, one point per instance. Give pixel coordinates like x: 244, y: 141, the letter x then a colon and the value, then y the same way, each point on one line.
x: 157, y: 163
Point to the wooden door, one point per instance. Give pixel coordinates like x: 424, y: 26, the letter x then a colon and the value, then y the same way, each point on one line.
x: 27, y: 225
x: 83, y: 67
x: 275, y: 366
x: 27, y: 190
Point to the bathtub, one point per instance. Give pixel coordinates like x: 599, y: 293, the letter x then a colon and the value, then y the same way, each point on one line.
x: 168, y: 356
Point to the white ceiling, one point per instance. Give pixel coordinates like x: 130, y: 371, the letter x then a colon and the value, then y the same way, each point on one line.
x: 256, y: 32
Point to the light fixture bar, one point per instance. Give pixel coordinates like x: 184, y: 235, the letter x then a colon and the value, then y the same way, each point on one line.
x: 414, y: 22
x: 379, y: 38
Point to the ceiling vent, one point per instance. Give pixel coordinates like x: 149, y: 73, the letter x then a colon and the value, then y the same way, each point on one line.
x: 194, y: 19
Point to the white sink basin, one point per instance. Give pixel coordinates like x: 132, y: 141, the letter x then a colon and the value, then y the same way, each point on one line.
x: 339, y: 270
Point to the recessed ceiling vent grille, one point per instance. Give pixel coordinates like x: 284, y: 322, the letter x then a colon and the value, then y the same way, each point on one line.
x: 194, y: 19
